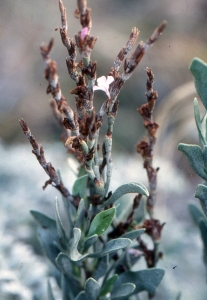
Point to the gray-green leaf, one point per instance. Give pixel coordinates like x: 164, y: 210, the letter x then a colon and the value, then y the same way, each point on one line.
x: 80, y: 214
x: 199, y: 70
x: 201, y: 194
x: 145, y: 280
x: 60, y: 228
x: 198, y: 122
x: 195, y: 157
x: 49, y: 291
x: 81, y: 296
x: 115, y: 245
x: 90, y: 241
x: 124, y: 290
x: 101, y: 222
x: 132, y: 235
x: 74, y: 253
x: 127, y: 188
x: 47, y: 234
x: 195, y: 212
x: 79, y: 187
x: 92, y: 289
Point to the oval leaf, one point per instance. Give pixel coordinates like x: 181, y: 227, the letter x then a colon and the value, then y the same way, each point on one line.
x: 195, y: 157
x: 132, y: 235
x: 108, y: 285
x: 195, y: 212
x: 201, y: 194
x: 81, y: 296
x: 124, y: 290
x: 199, y: 70
x: 65, y: 265
x: 144, y: 280
x: 74, y: 253
x: 90, y: 241
x: 47, y: 234
x: 198, y: 122
x: 127, y: 188
x: 115, y: 245
x: 79, y: 187
x: 49, y: 291
x: 60, y: 228
x: 92, y: 289
x: 101, y: 222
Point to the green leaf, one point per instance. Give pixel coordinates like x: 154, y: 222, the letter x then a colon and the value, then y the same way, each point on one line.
x: 127, y: 188
x: 80, y: 214
x: 195, y: 212
x: 132, y: 235
x: 92, y: 289
x: 49, y: 291
x: 195, y: 157
x: 79, y: 187
x: 74, y: 253
x: 101, y: 222
x: 47, y: 234
x: 124, y: 290
x: 201, y: 194
x: 115, y: 245
x: 90, y: 241
x: 60, y: 228
x: 199, y: 70
x: 144, y: 280
x: 198, y: 122
x: 108, y: 285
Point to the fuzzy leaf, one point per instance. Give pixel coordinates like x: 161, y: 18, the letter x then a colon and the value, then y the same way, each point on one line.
x: 102, y: 267
x: 81, y: 296
x: 80, y: 214
x: 79, y: 187
x: 201, y: 194
x: 195, y: 212
x: 199, y: 70
x: 198, y: 122
x: 92, y: 289
x: 132, y: 235
x: 49, y: 291
x: 90, y: 241
x: 101, y: 222
x: 115, y: 245
x: 195, y: 157
x: 74, y: 253
x: 127, y: 188
x: 65, y: 264
x: 144, y: 280
x: 203, y: 230
x: 140, y: 212
x: 205, y: 158
x: 60, y: 228
x: 47, y: 234
x: 108, y: 285
x: 124, y: 290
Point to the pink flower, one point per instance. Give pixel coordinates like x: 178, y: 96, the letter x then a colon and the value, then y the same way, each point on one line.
x: 83, y: 33
x: 103, y: 84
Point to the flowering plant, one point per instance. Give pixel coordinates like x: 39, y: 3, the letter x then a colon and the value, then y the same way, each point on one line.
x: 94, y: 251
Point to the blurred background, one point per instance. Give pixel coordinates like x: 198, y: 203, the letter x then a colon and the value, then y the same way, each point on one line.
x: 24, y: 26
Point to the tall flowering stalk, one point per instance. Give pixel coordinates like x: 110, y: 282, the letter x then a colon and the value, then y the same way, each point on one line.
x: 95, y: 254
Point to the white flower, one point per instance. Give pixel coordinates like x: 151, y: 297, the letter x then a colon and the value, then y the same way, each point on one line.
x: 103, y: 84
